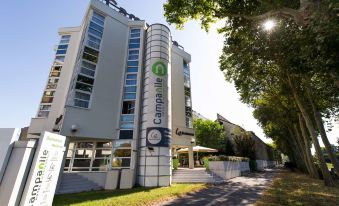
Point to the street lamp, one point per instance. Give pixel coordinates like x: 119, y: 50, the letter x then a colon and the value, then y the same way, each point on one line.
x: 269, y: 24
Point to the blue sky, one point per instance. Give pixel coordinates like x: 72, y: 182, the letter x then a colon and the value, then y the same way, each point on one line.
x: 30, y: 33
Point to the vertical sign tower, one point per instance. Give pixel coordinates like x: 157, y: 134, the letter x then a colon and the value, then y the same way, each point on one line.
x: 155, y: 140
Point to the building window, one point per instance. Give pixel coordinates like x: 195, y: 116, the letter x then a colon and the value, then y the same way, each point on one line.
x: 90, y: 54
x: 88, y: 156
x: 128, y: 107
x: 43, y: 113
x: 126, y: 134
x: 187, y: 90
x: 122, y: 154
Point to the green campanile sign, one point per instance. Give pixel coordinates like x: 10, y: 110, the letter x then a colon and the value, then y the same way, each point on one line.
x: 159, y: 69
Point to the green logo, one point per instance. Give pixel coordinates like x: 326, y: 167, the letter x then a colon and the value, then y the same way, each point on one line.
x: 159, y: 68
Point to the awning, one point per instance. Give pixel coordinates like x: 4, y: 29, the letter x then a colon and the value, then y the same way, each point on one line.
x: 198, y: 149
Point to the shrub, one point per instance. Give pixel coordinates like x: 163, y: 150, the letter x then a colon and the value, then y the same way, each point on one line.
x: 175, y: 163
x: 206, y: 165
x: 253, y: 165
x: 228, y: 158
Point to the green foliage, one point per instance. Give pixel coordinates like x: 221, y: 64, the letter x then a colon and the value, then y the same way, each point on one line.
x: 209, y: 134
x: 253, y: 165
x: 245, y: 145
x: 206, y: 163
x: 175, y: 163
x: 228, y: 158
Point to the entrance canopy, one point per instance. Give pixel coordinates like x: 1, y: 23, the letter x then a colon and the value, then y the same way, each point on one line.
x: 198, y: 149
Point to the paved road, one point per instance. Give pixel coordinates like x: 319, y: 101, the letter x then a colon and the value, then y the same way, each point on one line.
x: 238, y: 191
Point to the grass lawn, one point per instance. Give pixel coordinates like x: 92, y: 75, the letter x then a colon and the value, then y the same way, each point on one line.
x: 130, y: 197
x: 298, y: 189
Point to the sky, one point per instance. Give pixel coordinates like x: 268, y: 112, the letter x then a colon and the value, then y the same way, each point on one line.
x: 30, y: 34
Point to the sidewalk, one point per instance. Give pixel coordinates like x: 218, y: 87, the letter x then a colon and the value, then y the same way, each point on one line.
x: 237, y: 191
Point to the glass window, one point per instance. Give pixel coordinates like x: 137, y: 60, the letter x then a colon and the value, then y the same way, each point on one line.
x: 90, y: 57
x: 135, y: 31
x: 133, y: 57
x: 134, y: 41
x: 65, y: 46
x: 65, y: 37
x: 121, y: 162
x: 127, y: 118
x: 84, y: 145
x: 88, y: 72
x: 132, y: 69
x: 122, y: 153
x: 131, y: 76
x: 134, y: 46
x: 43, y: 113
x: 83, y: 87
x: 187, y: 91
x: 94, y: 32
x: 124, y: 143
x: 47, y: 99
x: 104, y: 145
x: 92, y: 44
x: 135, y: 35
x: 60, y: 58
x: 127, y: 125
x: 91, y: 51
x: 189, y: 122
x: 49, y: 93
x: 61, y: 52
x: 81, y: 103
x: 98, y: 16
x: 188, y: 111
x: 128, y: 107
x: 86, y: 80
x: 98, y: 21
x: 133, y: 52
x: 94, y: 39
x: 132, y: 63
x: 96, y: 27
x: 83, y: 96
x: 131, y: 82
x: 129, y: 95
x: 88, y: 65
x: 130, y: 89
x: 45, y: 107
x: 188, y: 101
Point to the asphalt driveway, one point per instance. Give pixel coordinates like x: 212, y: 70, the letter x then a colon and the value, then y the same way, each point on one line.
x: 239, y: 191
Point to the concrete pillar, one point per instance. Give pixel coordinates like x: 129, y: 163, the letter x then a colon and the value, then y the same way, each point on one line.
x: 155, y: 140
x: 190, y: 157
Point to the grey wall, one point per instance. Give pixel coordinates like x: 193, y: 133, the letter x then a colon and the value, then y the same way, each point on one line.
x: 16, y: 173
x: 7, y: 138
x: 101, y: 119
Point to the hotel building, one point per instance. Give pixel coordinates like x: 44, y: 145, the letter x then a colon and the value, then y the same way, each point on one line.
x: 119, y: 90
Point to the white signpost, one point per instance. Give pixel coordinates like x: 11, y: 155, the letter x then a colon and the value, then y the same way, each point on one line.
x: 43, y: 177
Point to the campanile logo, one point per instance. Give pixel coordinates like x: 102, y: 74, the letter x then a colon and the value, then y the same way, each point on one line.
x: 159, y: 68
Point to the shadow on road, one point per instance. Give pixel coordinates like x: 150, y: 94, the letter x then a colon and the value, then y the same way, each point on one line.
x: 240, y: 191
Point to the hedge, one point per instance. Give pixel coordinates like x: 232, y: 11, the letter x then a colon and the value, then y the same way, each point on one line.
x: 228, y: 158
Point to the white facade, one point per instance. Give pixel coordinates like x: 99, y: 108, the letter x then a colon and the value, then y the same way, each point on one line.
x: 99, y: 95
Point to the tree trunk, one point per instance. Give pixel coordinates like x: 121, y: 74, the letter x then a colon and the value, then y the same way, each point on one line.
x: 301, y: 105
x: 320, y: 126
x: 314, y: 172
x: 301, y: 163
x: 302, y: 149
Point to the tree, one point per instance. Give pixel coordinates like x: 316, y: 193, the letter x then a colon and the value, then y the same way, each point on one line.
x: 244, y: 145
x: 299, y: 60
x: 209, y: 134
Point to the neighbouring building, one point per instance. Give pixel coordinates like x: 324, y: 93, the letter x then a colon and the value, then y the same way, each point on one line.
x: 263, y: 152
x: 119, y: 90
